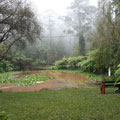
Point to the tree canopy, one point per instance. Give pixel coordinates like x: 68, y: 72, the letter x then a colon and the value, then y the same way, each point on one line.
x: 18, y: 23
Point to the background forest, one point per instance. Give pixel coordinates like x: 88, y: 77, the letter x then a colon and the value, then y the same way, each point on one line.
x: 86, y: 38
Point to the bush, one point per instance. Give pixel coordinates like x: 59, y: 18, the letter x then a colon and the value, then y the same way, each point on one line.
x: 88, y: 65
x: 53, y: 67
x: 5, y: 66
x: 21, y: 62
x: 71, y: 62
x: 117, y: 73
x: 39, y: 62
x: 93, y: 63
x: 61, y: 64
x: 1, y: 69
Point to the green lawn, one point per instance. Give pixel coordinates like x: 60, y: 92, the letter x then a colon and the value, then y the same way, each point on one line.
x: 68, y: 104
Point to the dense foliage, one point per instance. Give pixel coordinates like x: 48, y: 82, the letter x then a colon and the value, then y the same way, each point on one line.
x: 18, y: 24
x: 61, y: 64
x: 81, y: 45
x: 91, y: 63
x: 105, y: 36
x: 69, y: 63
x: 117, y: 73
x: 5, y: 66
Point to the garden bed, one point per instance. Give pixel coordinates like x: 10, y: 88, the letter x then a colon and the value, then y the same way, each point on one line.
x: 34, y: 81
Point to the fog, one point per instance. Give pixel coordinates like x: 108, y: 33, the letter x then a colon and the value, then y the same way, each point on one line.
x: 60, y: 31
x: 61, y: 24
x: 58, y: 6
x: 52, y: 30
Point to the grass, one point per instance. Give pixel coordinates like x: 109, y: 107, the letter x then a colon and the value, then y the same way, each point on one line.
x: 27, y: 80
x: 68, y: 104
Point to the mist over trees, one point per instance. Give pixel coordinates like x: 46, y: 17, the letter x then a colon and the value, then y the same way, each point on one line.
x: 66, y: 36
x: 85, y: 30
x: 80, y: 19
x: 20, y: 32
x: 103, y: 34
x: 18, y: 24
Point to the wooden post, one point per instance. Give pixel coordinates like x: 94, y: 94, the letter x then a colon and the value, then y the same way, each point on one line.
x: 103, y: 88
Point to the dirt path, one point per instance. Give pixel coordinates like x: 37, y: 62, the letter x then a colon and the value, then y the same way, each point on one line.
x: 61, y: 80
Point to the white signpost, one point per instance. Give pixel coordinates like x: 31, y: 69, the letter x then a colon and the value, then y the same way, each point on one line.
x: 109, y: 71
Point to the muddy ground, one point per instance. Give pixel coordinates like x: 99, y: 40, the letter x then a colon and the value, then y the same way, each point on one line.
x: 60, y: 80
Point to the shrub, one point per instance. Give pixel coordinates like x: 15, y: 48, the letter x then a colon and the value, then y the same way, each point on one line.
x: 5, y: 66
x: 53, y: 67
x: 73, y: 61
x: 1, y: 69
x: 88, y: 65
x: 117, y: 73
x: 39, y: 62
x: 21, y: 62
x: 93, y: 63
x: 61, y: 64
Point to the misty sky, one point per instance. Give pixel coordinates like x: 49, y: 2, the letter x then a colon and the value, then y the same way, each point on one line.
x: 59, y: 6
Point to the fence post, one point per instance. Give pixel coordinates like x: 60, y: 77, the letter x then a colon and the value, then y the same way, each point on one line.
x: 103, y: 88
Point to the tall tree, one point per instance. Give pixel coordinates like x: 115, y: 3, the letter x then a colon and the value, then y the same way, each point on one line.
x: 80, y: 19
x: 81, y: 45
x: 107, y: 35
x: 18, y: 23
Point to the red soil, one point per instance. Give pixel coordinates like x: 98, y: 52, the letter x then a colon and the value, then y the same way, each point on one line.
x: 61, y: 80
